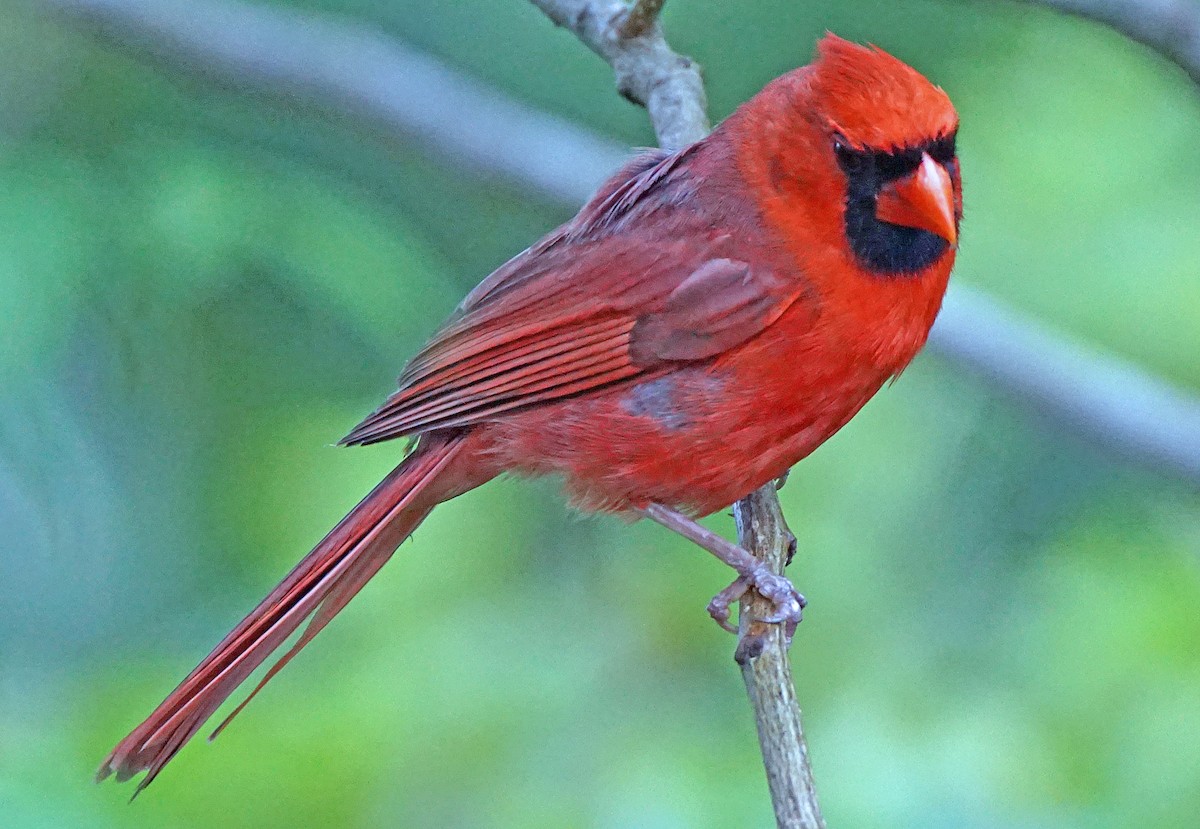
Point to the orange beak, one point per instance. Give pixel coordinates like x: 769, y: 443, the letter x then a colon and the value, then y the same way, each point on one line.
x: 923, y: 199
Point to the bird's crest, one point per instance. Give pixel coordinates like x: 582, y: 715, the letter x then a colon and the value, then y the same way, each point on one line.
x: 875, y: 100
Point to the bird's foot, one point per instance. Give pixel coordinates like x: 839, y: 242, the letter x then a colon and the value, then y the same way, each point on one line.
x: 718, y: 608
x: 787, y: 610
x: 788, y: 603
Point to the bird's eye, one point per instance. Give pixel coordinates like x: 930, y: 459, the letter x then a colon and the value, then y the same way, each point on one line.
x: 850, y: 160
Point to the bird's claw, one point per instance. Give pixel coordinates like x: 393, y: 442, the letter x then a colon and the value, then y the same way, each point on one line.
x: 718, y: 608
x: 788, y: 604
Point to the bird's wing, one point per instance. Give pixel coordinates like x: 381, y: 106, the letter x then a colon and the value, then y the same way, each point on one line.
x: 604, y: 299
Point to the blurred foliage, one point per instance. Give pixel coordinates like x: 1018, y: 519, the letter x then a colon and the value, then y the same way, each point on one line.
x: 203, y: 289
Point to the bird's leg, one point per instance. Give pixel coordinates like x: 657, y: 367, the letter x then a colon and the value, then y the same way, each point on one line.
x: 751, y: 572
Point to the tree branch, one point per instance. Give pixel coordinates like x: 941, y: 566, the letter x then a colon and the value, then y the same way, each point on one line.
x: 351, y: 71
x: 1134, y: 414
x: 641, y: 61
x: 354, y: 71
x: 647, y: 70
x: 766, y: 670
x: 1169, y: 27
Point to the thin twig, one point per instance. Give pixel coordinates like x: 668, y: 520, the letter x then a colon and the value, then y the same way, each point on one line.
x: 647, y: 70
x: 762, y: 649
x: 1169, y: 27
x: 351, y: 71
x: 766, y: 670
x: 642, y: 15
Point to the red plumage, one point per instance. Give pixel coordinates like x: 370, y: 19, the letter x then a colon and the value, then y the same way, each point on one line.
x: 709, y: 318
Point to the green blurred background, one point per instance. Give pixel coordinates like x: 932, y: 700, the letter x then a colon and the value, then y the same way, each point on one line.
x: 202, y: 289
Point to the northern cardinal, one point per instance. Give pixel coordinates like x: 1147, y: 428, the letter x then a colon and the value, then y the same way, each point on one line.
x: 709, y: 318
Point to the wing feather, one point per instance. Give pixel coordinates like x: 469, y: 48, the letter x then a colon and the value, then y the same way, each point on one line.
x: 486, y: 365
x: 562, y: 387
x: 533, y: 375
x: 589, y: 306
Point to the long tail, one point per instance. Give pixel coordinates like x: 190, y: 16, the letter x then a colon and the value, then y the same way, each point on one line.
x: 324, y: 581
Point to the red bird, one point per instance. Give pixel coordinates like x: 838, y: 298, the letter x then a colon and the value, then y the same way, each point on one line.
x: 709, y: 318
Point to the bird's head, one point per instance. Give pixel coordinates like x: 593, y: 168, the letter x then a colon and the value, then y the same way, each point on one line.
x: 857, y: 150
x: 891, y: 134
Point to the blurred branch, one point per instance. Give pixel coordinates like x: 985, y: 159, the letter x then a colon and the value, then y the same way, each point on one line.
x: 1169, y: 27
x: 647, y: 70
x: 631, y: 40
x: 351, y: 71
x: 1098, y: 395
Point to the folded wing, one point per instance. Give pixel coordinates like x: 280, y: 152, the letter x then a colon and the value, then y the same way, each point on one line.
x: 589, y: 307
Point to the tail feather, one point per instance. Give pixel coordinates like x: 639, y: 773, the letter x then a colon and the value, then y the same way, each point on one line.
x: 347, y: 587
x: 320, y: 585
